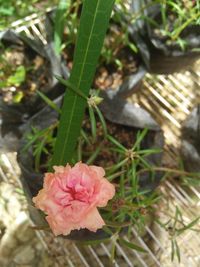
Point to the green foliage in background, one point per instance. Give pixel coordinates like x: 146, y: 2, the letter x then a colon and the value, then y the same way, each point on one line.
x: 15, y: 79
x: 11, y: 10
x: 11, y: 76
x: 60, y: 23
x: 176, y: 16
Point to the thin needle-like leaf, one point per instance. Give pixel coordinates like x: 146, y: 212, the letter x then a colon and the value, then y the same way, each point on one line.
x: 93, y: 123
x: 49, y: 102
x: 140, y: 137
x: 116, y: 143
x: 103, y: 123
x: 132, y: 245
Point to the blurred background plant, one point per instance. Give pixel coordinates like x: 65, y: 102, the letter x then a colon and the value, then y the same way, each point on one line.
x: 11, y: 76
x: 176, y: 226
x: 172, y: 19
x: 12, y: 10
x: 22, y: 72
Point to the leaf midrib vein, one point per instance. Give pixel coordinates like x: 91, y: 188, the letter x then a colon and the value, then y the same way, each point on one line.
x: 79, y: 81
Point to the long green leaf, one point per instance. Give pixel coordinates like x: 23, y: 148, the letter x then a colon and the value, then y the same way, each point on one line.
x: 116, y: 143
x: 93, y: 123
x: 177, y: 251
x: 132, y: 245
x: 188, y: 226
x: 93, y: 25
x: 102, y: 120
x: 140, y: 137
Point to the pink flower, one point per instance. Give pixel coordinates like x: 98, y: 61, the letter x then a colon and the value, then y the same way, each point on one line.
x: 71, y: 195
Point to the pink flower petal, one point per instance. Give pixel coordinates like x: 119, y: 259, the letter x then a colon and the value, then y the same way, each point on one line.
x: 99, y: 171
x: 92, y: 221
x: 62, y: 169
x: 70, y: 197
x: 107, y: 192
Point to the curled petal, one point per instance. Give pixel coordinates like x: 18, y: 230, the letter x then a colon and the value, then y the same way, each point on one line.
x: 99, y: 171
x: 93, y: 221
x: 61, y: 169
x: 58, y: 225
x: 107, y: 192
x: 39, y: 200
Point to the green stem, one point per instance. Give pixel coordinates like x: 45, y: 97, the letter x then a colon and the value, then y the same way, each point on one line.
x: 178, y: 32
